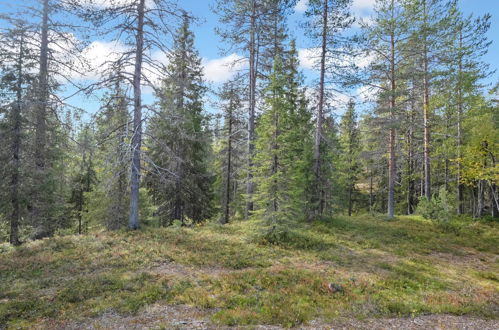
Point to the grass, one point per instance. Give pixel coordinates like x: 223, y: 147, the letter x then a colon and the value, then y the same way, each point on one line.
x: 408, y: 266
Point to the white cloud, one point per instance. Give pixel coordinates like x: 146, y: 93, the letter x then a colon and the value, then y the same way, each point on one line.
x: 362, y: 9
x: 222, y: 69
x: 363, y: 5
x: 366, y: 93
x: 99, y: 55
x: 307, y: 57
x: 112, y: 3
x: 301, y: 6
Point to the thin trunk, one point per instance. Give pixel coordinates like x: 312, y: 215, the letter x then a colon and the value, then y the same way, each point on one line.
x: 460, y: 197
x: 350, y: 203
x: 251, y: 117
x: 16, y: 151
x: 480, y: 199
x: 275, y: 162
x: 493, y: 193
x: 320, y: 114
x: 41, y: 125
x: 80, y: 209
x: 371, y: 191
x: 410, y: 179
x: 133, y: 221
x: 391, y: 145
x: 226, y: 216
x: 426, y: 114
x: 494, y: 201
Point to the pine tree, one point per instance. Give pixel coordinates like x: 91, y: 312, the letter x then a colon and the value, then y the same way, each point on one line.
x: 178, y: 141
x: 327, y: 19
x: 385, y: 40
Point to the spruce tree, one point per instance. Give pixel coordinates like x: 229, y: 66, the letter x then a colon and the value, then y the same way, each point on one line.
x: 283, y: 157
x: 228, y: 148
x: 178, y: 140
x: 350, y: 152
x: 109, y: 199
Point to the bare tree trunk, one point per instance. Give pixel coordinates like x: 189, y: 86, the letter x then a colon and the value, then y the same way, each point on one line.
x: 494, y: 201
x: 320, y: 115
x: 410, y: 179
x: 80, y: 210
x: 41, y: 126
x: 426, y: 115
x: 226, y: 215
x: 371, y: 191
x: 480, y: 198
x: 251, y: 117
x: 350, y: 203
x: 391, y: 145
x: 275, y: 162
x: 16, y: 151
x: 460, y: 197
x: 133, y: 221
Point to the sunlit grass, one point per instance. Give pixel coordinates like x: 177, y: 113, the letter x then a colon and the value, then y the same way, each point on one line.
x: 404, y: 267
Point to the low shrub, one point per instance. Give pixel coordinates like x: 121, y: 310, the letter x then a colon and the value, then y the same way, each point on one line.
x: 439, y: 209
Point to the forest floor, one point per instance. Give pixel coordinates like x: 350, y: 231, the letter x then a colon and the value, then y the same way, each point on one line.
x: 361, y: 272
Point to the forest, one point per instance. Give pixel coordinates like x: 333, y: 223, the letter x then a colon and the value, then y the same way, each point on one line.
x: 349, y: 184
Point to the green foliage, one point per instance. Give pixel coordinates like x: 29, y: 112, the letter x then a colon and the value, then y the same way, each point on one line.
x: 283, y: 149
x: 179, y: 147
x: 440, y: 209
x: 403, y: 267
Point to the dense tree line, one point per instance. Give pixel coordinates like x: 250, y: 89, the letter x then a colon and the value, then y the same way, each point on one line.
x: 275, y: 149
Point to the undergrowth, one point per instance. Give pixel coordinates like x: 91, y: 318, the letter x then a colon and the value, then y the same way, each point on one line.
x: 404, y: 267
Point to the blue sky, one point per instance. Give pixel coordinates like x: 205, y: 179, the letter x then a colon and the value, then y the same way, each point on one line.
x: 209, y: 45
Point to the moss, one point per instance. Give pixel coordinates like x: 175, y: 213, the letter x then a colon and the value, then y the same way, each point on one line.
x: 385, y: 268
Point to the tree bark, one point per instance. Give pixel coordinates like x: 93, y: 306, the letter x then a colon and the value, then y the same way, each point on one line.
x: 371, y: 197
x: 226, y: 216
x: 426, y: 115
x: 460, y: 196
x: 410, y: 168
x: 320, y: 114
x: 133, y: 221
x: 251, y: 116
x: 391, y: 144
x: 350, y: 203
x: 41, y: 126
x: 16, y: 151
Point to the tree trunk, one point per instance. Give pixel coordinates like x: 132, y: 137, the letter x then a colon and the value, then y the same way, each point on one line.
x: 350, y: 203
x: 226, y: 207
x: 391, y: 145
x: 16, y: 151
x: 133, y: 221
x: 494, y: 201
x: 410, y: 179
x: 480, y: 199
x: 460, y: 197
x: 371, y: 199
x: 320, y: 114
x: 251, y: 117
x: 426, y: 115
x: 41, y: 128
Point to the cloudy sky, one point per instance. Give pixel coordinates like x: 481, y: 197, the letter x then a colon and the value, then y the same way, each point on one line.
x: 216, y: 61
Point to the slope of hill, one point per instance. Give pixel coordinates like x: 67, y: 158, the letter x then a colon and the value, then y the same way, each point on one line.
x: 342, y: 270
